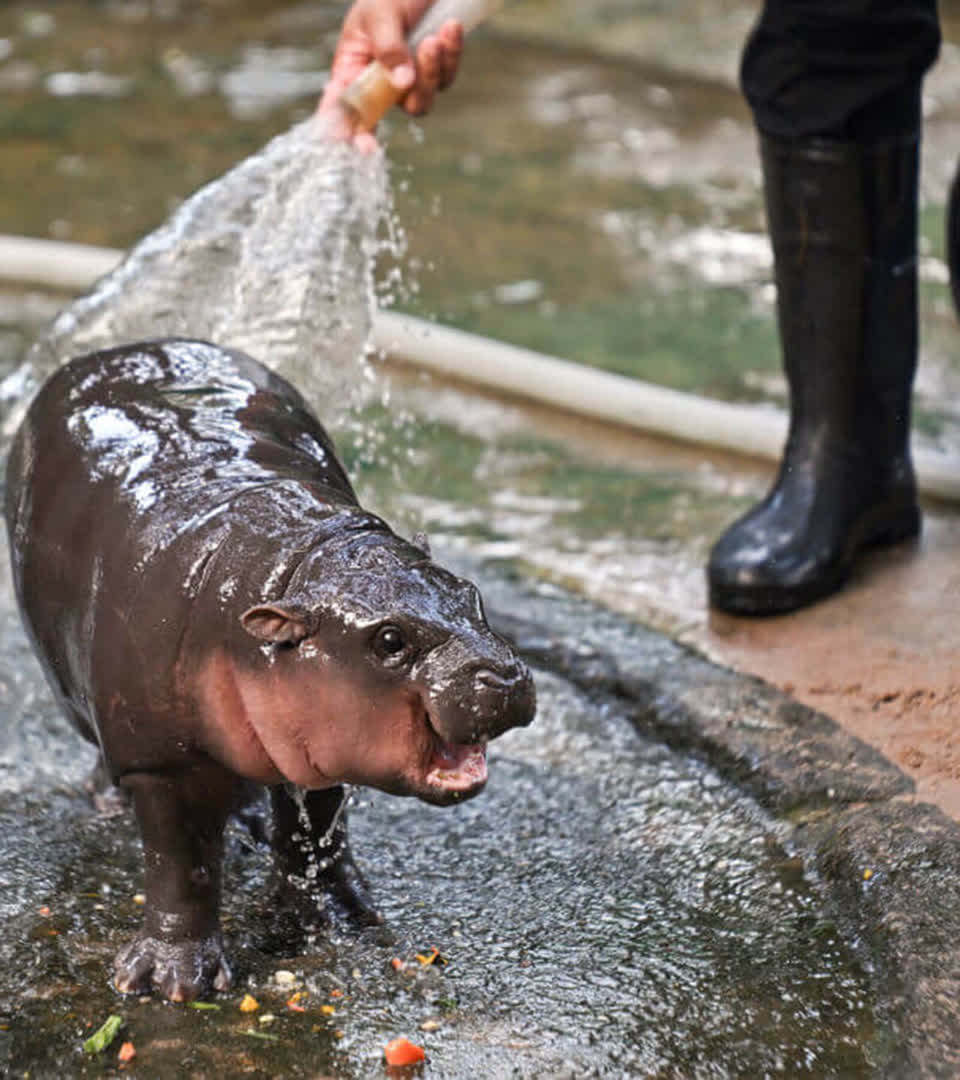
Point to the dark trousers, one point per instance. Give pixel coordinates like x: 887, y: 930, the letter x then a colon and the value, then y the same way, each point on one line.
x: 840, y: 69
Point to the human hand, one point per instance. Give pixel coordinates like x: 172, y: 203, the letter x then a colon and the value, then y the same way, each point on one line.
x: 377, y: 30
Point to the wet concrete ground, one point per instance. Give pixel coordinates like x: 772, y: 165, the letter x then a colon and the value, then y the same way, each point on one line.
x: 881, y: 658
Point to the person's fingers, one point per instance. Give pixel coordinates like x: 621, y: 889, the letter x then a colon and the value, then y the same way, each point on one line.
x: 451, y: 49
x: 420, y: 98
x: 428, y: 67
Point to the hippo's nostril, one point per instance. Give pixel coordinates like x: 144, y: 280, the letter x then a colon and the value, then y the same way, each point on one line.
x: 490, y: 680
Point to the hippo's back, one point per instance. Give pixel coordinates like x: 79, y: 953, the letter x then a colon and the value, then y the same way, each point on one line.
x: 121, y: 484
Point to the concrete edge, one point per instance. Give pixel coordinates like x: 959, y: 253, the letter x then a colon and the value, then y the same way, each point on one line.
x: 889, y: 867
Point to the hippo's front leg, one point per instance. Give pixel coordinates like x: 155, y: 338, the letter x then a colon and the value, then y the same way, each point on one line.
x: 179, y: 950
x: 313, y: 857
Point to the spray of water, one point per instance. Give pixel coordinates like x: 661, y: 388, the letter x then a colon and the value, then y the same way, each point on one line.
x: 275, y: 258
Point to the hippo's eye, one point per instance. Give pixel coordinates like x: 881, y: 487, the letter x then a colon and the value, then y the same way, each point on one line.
x: 389, y: 642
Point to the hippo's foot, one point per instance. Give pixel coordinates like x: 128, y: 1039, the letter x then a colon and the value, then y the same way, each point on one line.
x: 338, y: 889
x: 106, y: 797
x: 181, y: 970
x: 347, y: 891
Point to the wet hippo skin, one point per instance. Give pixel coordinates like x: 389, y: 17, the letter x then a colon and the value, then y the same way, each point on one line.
x: 214, y: 609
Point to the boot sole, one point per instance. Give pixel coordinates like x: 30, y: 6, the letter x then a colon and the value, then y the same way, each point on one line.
x: 877, y: 530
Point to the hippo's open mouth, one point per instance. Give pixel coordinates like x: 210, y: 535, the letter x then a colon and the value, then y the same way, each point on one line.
x: 457, y: 768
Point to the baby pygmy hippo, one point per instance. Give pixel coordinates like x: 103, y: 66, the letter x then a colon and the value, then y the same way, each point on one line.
x: 215, y: 610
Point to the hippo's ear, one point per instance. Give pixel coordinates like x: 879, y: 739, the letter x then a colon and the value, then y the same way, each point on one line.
x: 279, y: 625
x: 420, y: 540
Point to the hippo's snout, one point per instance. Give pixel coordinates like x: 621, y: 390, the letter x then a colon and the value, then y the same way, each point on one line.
x: 504, y: 699
x: 473, y: 698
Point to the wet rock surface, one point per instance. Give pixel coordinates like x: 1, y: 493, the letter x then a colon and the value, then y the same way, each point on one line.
x: 888, y: 866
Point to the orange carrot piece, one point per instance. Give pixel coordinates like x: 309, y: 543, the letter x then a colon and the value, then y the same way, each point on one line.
x: 403, y: 1052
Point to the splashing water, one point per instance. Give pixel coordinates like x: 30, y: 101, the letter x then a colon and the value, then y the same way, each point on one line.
x: 275, y: 259
x: 310, y: 843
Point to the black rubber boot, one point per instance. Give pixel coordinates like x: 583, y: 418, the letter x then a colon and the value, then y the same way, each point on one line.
x: 843, y: 221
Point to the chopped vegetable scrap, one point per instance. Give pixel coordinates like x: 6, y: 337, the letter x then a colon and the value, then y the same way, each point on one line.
x: 104, y: 1035
x: 432, y: 957
x: 293, y: 1003
x: 249, y: 1003
x: 127, y: 1053
x: 401, y: 1051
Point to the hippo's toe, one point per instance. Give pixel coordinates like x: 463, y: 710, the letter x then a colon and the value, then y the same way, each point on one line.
x: 181, y: 970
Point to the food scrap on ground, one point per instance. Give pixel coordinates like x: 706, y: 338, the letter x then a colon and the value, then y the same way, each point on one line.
x: 401, y: 1051
x: 432, y: 957
x: 104, y: 1035
x: 126, y: 1053
x: 249, y: 1003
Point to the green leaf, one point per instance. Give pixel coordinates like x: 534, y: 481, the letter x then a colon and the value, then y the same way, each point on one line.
x: 261, y: 1035
x: 103, y: 1037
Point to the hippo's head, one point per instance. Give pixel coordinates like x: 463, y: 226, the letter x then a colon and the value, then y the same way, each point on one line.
x: 401, y: 680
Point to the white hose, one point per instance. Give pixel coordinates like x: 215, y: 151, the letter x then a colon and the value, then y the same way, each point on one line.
x: 758, y: 431
x: 50, y: 264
